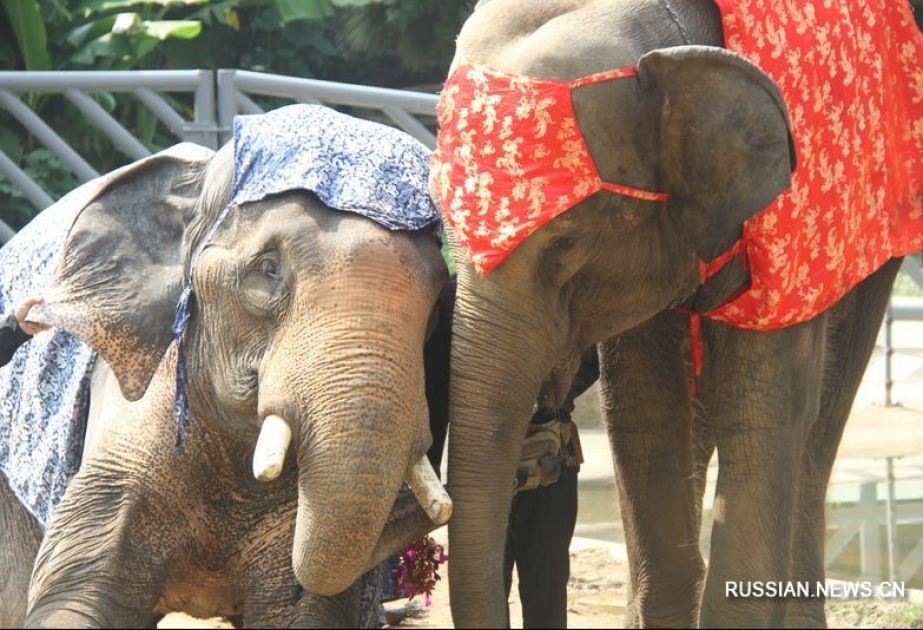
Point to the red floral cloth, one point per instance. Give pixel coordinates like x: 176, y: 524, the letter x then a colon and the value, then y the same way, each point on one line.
x: 510, y: 157
x: 852, y: 76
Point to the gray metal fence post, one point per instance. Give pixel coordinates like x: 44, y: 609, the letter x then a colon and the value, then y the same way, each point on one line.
x: 204, y: 130
x: 891, y: 522
x: 869, y: 535
x: 889, y: 352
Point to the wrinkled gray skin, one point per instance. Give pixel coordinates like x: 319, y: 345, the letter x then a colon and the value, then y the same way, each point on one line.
x: 313, y: 314
x: 712, y: 132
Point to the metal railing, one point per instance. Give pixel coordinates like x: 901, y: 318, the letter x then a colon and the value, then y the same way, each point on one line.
x: 77, y: 86
x: 400, y: 107
x: 862, y: 521
x: 238, y: 92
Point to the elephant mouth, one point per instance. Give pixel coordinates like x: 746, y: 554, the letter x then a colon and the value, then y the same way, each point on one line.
x: 276, y: 436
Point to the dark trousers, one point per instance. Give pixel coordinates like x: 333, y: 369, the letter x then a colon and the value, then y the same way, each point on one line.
x: 538, y: 542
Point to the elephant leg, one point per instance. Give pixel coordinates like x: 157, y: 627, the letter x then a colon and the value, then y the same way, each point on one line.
x: 87, y: 573
x: 21, y: 537
x: 275, y: 599
x: 646, y: 400
x: 762, y: 394
x: 299, y: 609
x: 854, y: 330
x: 280, y: 602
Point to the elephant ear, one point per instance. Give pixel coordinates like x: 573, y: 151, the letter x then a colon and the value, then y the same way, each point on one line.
x: 120, y: 272
x: 726, y: 148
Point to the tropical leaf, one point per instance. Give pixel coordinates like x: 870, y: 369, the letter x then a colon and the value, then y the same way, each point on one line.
x: 89, y: 31
x: 89, y: 7
x: 181, y: 29
x: 131, y: 38
x: 291, y: 10
x: 111, y: 46
x: 354, y: 3
x: 29, y: 29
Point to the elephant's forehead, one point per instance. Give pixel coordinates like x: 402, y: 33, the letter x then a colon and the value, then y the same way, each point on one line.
x: 313, y: 240
x: 297, y: 220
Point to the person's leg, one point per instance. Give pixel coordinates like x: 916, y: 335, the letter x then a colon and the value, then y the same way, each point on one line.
x: 542, y: 529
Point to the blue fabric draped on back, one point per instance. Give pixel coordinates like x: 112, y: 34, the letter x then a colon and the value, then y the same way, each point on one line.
x: 44, y: 389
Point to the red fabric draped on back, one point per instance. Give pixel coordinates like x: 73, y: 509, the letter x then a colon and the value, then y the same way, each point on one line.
x: 852, y: 78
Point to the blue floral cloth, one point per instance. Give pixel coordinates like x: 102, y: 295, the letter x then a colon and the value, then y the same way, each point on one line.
x: 351, y: 164
x: 44, y: 389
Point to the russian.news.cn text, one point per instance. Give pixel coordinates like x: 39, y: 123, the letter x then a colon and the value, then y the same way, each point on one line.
x: 831, y: 589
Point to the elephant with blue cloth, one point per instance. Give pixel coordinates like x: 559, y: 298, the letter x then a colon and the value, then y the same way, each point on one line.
x: 246, y: 329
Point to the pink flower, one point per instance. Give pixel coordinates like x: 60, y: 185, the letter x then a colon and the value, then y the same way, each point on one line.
x: 417, y: 570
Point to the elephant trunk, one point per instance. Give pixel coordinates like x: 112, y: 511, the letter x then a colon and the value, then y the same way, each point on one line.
x: 365, y: 428
x: 345, y: 372
x: 350, y: 384
x: 495, y: 378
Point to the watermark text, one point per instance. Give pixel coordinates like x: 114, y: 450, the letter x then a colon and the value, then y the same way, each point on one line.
x: 831, y: 589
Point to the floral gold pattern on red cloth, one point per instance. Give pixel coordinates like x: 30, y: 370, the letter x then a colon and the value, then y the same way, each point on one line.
x: 510, y: 157
x: 852, y: 77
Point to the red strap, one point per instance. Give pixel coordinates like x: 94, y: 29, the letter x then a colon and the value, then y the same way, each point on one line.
x: 706, y: 271
x: 638, y: 193
x: 695, y: 349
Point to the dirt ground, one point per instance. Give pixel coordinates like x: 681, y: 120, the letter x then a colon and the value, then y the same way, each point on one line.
x: 596, y: 593
x: 596, y: 599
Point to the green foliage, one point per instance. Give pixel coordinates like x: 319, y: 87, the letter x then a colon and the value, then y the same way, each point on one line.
x: 418, y: 35
x: 292, y: 10
x: 258, y: 38
x: 133, y: 34
x: 389, y: 43
x: 447, y: 256
x: 44, y: 168
x: 28, y: 29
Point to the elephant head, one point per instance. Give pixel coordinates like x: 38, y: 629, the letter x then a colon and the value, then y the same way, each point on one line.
x: 299, y: 313
x: 687, y: 142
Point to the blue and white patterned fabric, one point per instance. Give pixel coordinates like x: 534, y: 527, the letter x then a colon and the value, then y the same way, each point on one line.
x: 44, y: 389
x: 351, y: 164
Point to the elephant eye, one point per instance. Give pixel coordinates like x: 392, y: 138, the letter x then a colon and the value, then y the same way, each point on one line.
x: 261, y: 282
x: 269, y: 267
x: 564, y: 243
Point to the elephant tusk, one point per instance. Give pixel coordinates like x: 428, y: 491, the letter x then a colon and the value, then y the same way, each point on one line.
x: 271, y: 447
x: 429, y: 491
